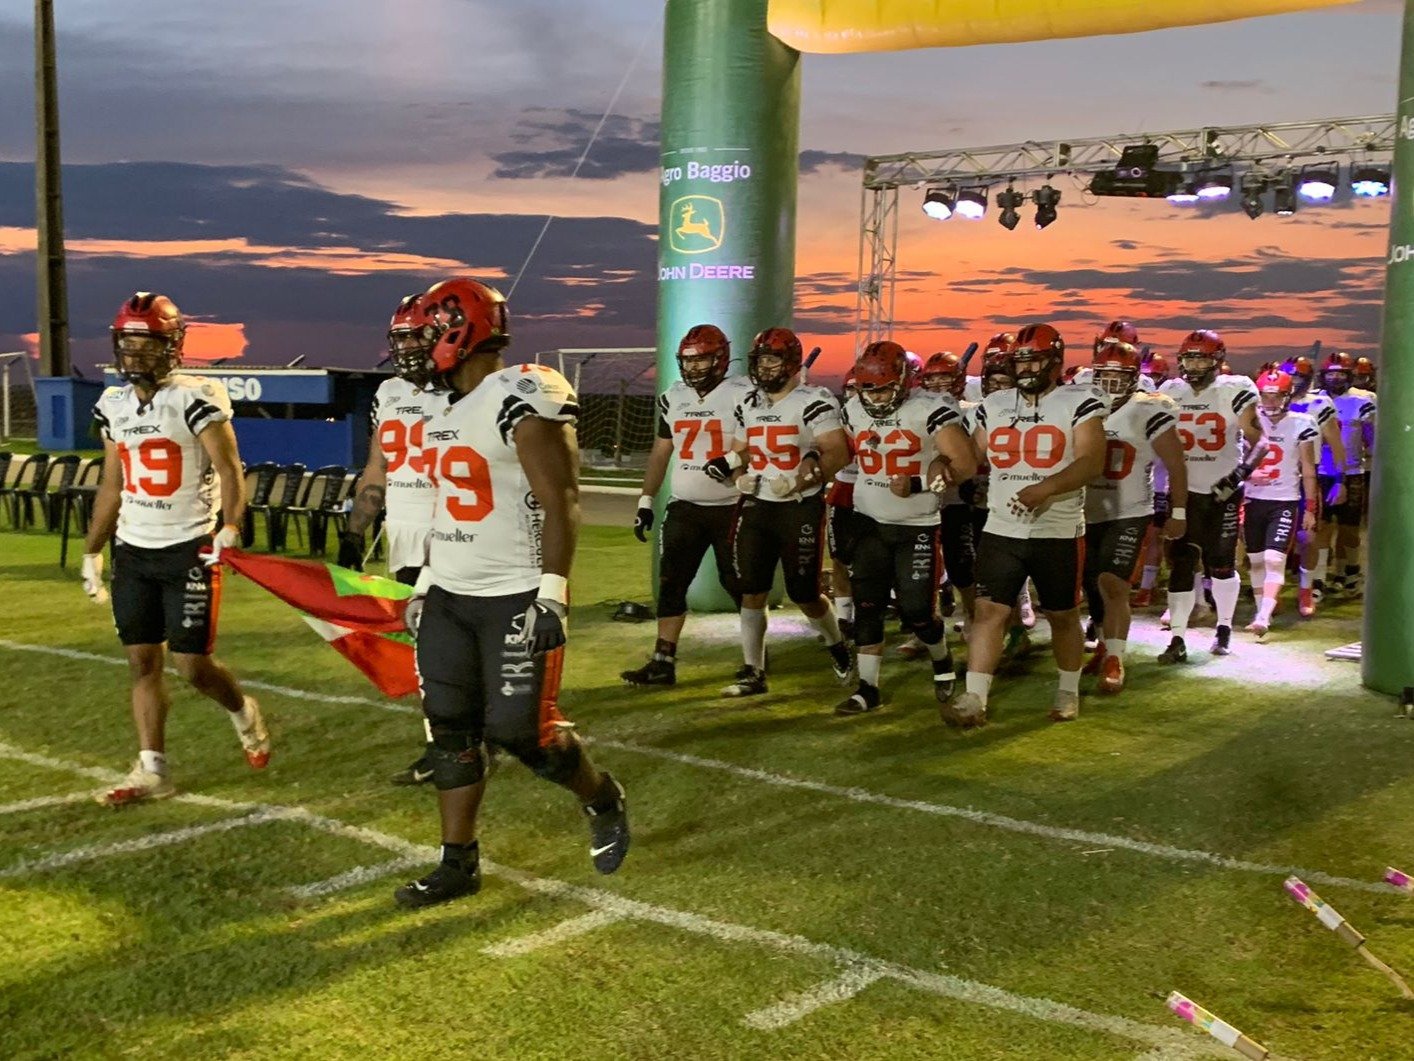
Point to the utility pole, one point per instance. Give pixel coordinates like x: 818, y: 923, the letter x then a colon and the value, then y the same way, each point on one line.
x: 49, y: 201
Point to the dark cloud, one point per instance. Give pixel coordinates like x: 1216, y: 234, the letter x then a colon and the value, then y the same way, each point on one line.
x: 1235, y: 86
x: 812, y: 160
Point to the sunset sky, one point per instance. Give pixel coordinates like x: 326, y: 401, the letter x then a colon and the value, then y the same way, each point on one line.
x: 287, y: 178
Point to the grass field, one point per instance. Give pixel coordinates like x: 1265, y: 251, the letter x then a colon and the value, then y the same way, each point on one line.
x: 800, y: 886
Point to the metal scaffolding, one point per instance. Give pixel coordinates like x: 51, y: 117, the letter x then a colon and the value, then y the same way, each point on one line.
x: 1265, y: 151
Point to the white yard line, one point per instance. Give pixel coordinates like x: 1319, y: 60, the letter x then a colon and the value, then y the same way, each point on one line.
x: 1175, y: 1041
x: 555, y: 934
x: 357, y: 877
x: 789, y: 1010
x: 41, y: 802
x: 986, y: 819
x: 140, y: 843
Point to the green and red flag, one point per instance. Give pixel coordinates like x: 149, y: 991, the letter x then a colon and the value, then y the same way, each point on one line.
x: 360, y: 615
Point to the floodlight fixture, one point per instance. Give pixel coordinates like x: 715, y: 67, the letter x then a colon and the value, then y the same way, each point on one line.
x: 1284, y: 197
x: 939, y: 203
x: 1254, y: 187
x: 1186, y: 194
x: 1369, y: 182
x: 1008, y: 202
x: 972, y: 204
x: 1046, y: 199
x: 1215, y: 185
x: 1318, y: 182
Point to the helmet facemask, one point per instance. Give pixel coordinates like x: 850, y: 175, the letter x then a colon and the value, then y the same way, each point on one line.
x: 1274, y: 404
x: 1035, y: 370
x: 768, y: 371
x: 1337, y: 381
x: 1118, y: 384
x: 699, y: 369
x: 410, y: 351
x: 1198, y: 369
x: 884, y: 400
x: 146, y: 359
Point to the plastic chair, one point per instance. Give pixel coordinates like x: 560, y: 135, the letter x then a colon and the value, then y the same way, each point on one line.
x: 23, y: 474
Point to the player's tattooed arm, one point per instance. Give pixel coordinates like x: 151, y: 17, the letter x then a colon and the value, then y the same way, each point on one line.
x: 372, y: 489
x: 549, y: 455
x: 105, y: 503
x: 833, y: 447
x: 219, y: 442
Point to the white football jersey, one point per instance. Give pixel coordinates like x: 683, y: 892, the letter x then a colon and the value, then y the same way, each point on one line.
x: 1236, y: 379
x: 1125, y: 490
x: 702, y: 428
x: 900, y: 444
x: 401, y: 413
x: 1353, y: 411
x: 779, y: 435
x: 170, y: 490
x: 1086, y: 378
x: 1317, y: 405
x: 1278, y: 477
x: 487, y: 525
x: 1208, y: 425
x: 1025, y: 443
x: 972, y: 389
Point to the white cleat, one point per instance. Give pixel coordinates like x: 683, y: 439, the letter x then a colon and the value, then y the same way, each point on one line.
x: 964, y: 712
x: 1065, y: 707
x: 255, y: 738
x: 139, y: 786
x: 1260, y: 628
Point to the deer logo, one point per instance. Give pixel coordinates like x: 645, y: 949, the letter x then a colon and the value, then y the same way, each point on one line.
x: 698, y: 223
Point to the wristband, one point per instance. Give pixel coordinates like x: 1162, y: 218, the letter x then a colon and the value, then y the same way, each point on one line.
x: 734, y: 460
x: 555, y: 588
x: 646, y: 501
x: 1311, y: 506
x: 1179, y: 513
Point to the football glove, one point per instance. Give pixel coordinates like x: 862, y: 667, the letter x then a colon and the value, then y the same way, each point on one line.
x: 1232, y: 482
x: 228, y: 537
x: 93, y: 578
x: 749, y: 484
x: 543, y: 628
x: 412, y: 615
x: 643, y: 520
x: 719, y: 469
x: 351, y: 551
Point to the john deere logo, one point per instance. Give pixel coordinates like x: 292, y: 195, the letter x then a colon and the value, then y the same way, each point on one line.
x: 698, y: 224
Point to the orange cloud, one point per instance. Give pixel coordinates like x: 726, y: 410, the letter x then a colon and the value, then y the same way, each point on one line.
x: 210, y: 341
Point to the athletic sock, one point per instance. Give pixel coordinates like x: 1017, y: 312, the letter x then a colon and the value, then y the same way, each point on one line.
x: 979, y: 684
x: 1151, y: 577
x: 844, y: 609
x: 1258, y: 571
x: 153, y: 762
x: 460, y: 856
x: 427, y: 728
x: 1180, y: 608
x: 828, y: 627
x: 1307, y: 577
x: 1068, y: 681
x: 1323, y: 559
x: 1225, y: 594
x: 869, y: 667
x: 753, y: 637
x: 665, y: 650
x: 1117, y: 646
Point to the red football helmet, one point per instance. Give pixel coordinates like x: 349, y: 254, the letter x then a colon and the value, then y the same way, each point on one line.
x: 704, y: 355
x: 1200, y: 355
x: 943, y: 375
x: 410, y: 341
x: 147, y: 339
x: 1118, y: 332
x: 1037, y: 358
x: 467, y: 318
x: 1001, y: 343
x: 915, y: 370
x: 1275, y: 391
x: 882, y: 375
x: 1364, y: 373
x: 1156, y: 367
x: 779, y: 343
x: 998, y: 373
x: 1117, y: 366
x: 851, y: 385
x: 1338, y: 373
x: 1302, y: 372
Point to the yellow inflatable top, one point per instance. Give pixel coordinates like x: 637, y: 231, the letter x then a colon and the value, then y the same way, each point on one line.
x: 839, y: 26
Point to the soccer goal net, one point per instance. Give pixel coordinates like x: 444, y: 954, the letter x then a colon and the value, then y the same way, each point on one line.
x: 616, y: 402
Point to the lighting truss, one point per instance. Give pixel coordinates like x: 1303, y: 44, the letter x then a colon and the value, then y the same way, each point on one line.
x: 1264, y: 150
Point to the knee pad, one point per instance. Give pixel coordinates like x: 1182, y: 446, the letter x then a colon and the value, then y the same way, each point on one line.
x: 868, y: 624
x: 1183, y: 563
x: 458, y: 759
x: 672, y: 597
x: 929, y: 631
x: 1222, y: 572
x: 556, y: 762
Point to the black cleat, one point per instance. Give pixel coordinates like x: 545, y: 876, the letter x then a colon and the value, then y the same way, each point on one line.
x: 944, y: 678
x: 1222, y: 643
x: 419, y: 773
x: 443, y: 884
x: 749, y: 682
x: 655, y: 672
x: 864, y: 700
x: 841, y: 662
x: 1177, y: 652
x: 608, y: 830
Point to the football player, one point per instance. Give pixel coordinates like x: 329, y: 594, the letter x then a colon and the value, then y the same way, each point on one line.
x: 1339, y: 528
x: 1213, y: 419
x: 840, y: 530
x: 943, y: 376
x: 789, y: 442
x: 695, y: 425
x: 169, y: 457
x: 1317, y: 405
x: 1155, y: 370
x: 1283, y: 471
x: 1140, y: 432
x: 489, y: 612
x: 396, y: 474
x: 909, y: 446
x: 1364, y: 378
x: 1044, y: 443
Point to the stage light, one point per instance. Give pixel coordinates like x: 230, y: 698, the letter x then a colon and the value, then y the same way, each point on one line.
x: 1008, y: 202
x: 1369, y: 182
x: 1214, y: 186
x: 1284, y: 198
x: 1253, y: 188
x: 972, y: 204
x: 939, y: 203
x: 1046, y: 199
x: 1318, y: 182
x: 1186, y: 194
